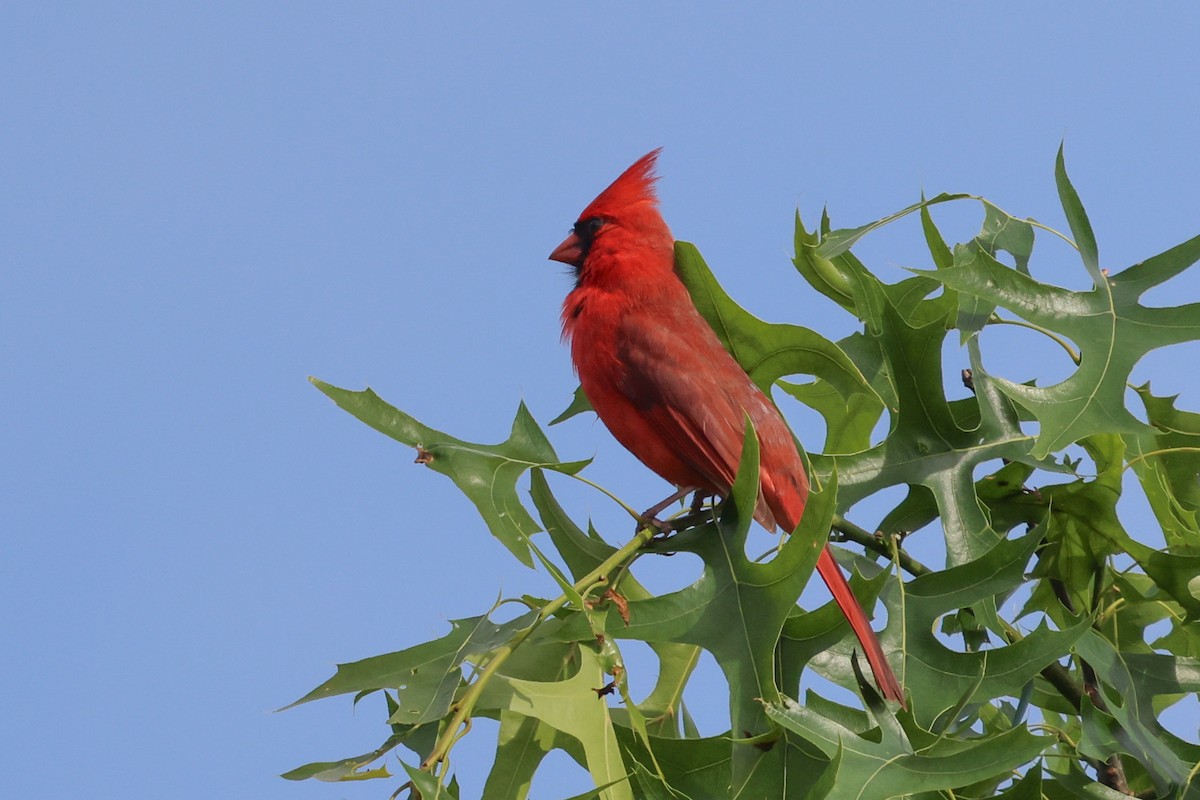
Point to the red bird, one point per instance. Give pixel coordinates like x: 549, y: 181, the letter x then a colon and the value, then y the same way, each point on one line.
x: 658, y: 377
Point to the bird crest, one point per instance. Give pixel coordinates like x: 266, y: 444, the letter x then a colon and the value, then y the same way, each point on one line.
x: 635, y: 185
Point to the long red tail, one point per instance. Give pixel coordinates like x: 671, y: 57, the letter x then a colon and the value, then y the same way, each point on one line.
x: 836, y: 581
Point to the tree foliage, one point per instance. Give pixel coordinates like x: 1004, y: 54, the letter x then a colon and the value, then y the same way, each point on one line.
x: 1060, y: 698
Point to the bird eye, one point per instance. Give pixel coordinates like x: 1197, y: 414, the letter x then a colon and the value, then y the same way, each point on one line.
x: 586, y: 228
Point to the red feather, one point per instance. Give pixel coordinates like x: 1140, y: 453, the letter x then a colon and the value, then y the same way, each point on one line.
x: 659, y: 378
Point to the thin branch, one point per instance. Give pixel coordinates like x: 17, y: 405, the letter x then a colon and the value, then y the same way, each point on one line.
x: 461, y: 721
x: 876, y: 544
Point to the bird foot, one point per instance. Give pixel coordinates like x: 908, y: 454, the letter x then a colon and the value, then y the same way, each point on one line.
x: 663, y: 528
x: 649, y: 517
x: 698, y: 500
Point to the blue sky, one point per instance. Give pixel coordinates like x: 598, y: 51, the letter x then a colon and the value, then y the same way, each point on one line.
x: 202, y: 204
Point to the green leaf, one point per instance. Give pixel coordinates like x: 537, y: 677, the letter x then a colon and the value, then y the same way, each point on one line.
x: 522, y: 744
x: 766, y: 351
x: 1109, y: 324
x: 584, y: 553
x: 1086, y: 526
x: 1002, y: 231
x: 938, y: 677
x: 1085, y: 239
x: 429, y: 787
x: 572, y: 707
x: 1131, y: 724
x: 735, y: 594
x: 1074, y: 785
x: 487, y: 474
x: 1029, y: 787
x: 822, y: 638
x: 348, y: 769
x: 1166, y: 462
x: 877, y: 769
x: 425, y: 676
x: 418, y: 738
x: 848, y: 421
x: 693, y: 768
x: 1076, y: 627
x: 841, y: 241
x: 827, y: 277
x: 927, y: 446
x: 579, y: 405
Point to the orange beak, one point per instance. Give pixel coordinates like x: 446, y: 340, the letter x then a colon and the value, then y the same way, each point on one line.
x: 569, y: 252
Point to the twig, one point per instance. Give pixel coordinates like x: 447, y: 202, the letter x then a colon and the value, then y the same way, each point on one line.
x: 466, y: 705
x: 1112, y: 771
x: 878, y: 545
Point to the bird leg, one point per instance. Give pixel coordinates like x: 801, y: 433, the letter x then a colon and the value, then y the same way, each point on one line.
x: 696, y: 515
x: 649, y: 517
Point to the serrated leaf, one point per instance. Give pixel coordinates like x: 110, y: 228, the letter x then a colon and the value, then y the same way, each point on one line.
x: 1108, y: 323
x: 737, y: 594
x: 521, y: 745
x: 1167, y: 462
x: 579, y: 405
x: 868, y: 769
x: 487, y: 474
x: 938, y: 676
x: 927, y: 446
x: 572, y: 707
x: 425, y: 676
x: 1134, y: 727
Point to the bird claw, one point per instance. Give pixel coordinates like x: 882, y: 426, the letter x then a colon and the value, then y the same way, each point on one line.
x: 649, y: 517
x: 663, y: 528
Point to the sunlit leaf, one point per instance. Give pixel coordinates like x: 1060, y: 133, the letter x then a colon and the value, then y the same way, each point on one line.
x: 876, y: 769
x: 1056, y: 611
x: 1108, y: 323
x: 766, y: 351
x: 572, y: 707
x: 486, y: 473
x: 426, y: 676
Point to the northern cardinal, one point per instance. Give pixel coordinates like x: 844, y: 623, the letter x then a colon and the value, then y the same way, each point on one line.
x: 660, y: 380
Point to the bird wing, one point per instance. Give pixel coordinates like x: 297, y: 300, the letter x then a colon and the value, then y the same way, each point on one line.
x: 692, y: 393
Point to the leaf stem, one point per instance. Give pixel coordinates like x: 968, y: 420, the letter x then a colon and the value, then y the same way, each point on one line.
x: 607, y: 494
x: 896, y: 553
x: 462, y: 716
x: 1163, y: 451
x: 1035, y: 224
x: 1020, y: 323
